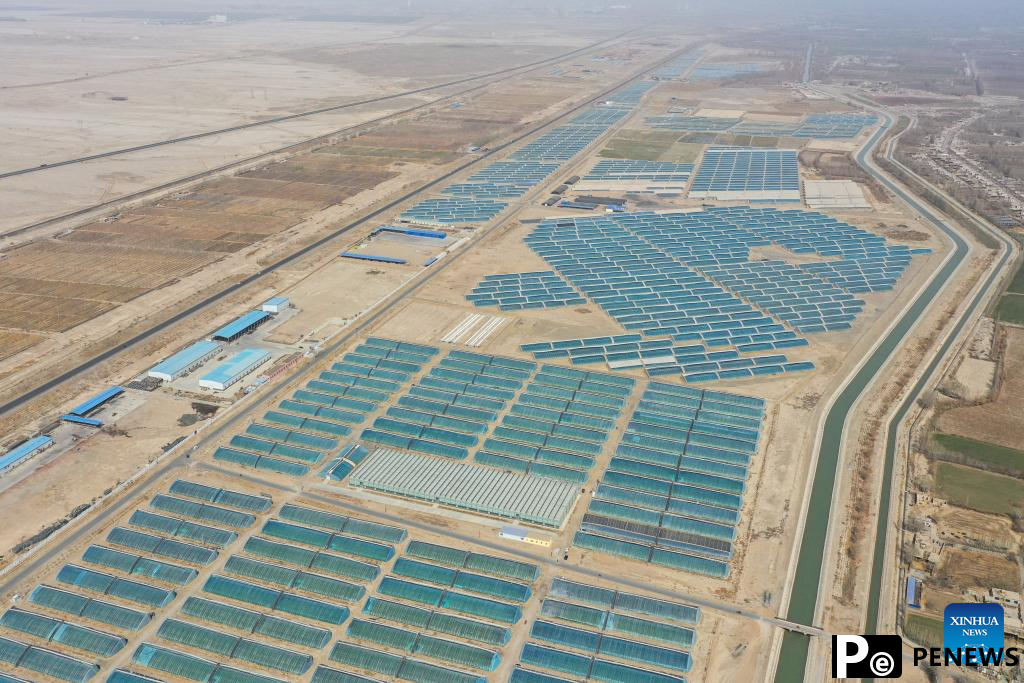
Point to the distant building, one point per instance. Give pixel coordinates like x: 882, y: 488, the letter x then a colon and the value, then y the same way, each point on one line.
x: 914, y: 586
x: 601, y: 201
x: 276, y: 305
x: 80, y: 413
x: 519, y: 534
x: 236, y: 328
x: 234, y: 369
x: 184, y: 361
x: 27, y: 449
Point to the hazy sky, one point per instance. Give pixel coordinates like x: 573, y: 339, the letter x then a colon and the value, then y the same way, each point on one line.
x: 1004, y: 14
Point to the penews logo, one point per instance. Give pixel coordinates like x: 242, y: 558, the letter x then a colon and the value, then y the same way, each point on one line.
x: 867, y: 656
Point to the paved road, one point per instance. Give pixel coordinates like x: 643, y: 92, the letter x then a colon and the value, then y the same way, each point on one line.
x: 813, y: 546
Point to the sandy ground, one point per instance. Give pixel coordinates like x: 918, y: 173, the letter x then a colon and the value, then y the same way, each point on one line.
x: 110, y: 83
x: 92, y: 466
x: 975, y: 376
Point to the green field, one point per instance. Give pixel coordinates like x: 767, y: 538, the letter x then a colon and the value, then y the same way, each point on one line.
x: 642, y: 145
x: 1017, y: 284
x: 651, y: 145
x: 981, y: 452
x: 681, y: 153
x: 1011, y: 308
x: 978, y: 490
x: 924, y: 630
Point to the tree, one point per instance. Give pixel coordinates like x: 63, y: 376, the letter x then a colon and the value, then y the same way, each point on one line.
x: 927, y: 399
x: 914, y: 524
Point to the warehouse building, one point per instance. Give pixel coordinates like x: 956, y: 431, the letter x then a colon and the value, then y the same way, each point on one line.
x: 234, y: 369
x: 35, y: 445
x: 80, y: 413
x: 184, y: 361
x: 247, y: 323
x: 278, y: 304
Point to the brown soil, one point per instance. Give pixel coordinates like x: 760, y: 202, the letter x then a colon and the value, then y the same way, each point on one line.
x: 908, y: 235
x: 965, y: 568
x: 999, y: 421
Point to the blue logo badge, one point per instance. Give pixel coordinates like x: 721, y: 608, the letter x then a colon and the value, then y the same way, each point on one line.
x: 973, y: 626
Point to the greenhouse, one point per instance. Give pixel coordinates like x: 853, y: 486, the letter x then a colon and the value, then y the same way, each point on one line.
x: 475, y: 583
x: 209, y: 494
x: 403, y: 668
x: 89, y: 608
x: 624, y: 602
x: 156, y: 545
x: 293, y: 578
x: 45, y: 662
x: 349, y: 545
x: 203, y: 512
x: 122, y: 676
x: 257, y: 623
x: 171, y: 526
x: 325, y: 674
x: 327, y: 563
x: 413, y: 642
x: 432, y: 620
x: 619, y: 623
x: 133, y: 591
x: 279, y: 601
x: 71, y: 635
x: 193, y: 668
x: 539, y: 500
x: 233, y: 647
x: 458, y: 602
x: 260, y: 462
x: 586, y: 667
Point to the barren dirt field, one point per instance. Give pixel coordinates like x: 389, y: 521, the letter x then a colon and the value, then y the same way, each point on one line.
x: 998, y: 421
x: 964, y: 568
x: 228, y: 221
x: 186, y: 78
x: 92, y: 466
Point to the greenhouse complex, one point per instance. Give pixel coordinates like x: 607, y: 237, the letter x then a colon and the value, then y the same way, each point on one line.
x: 543, y: 375
x: 245, y: 589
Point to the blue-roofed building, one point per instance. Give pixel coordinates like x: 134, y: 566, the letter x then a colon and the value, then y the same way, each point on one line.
x: 234, y: 369
x: 247, y: 323
x: 185, y: 361
x: 96, y: 402
x: 79, y: 420
x: 276, y: 304
x: 36, y: 444
x: 914, y: 586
